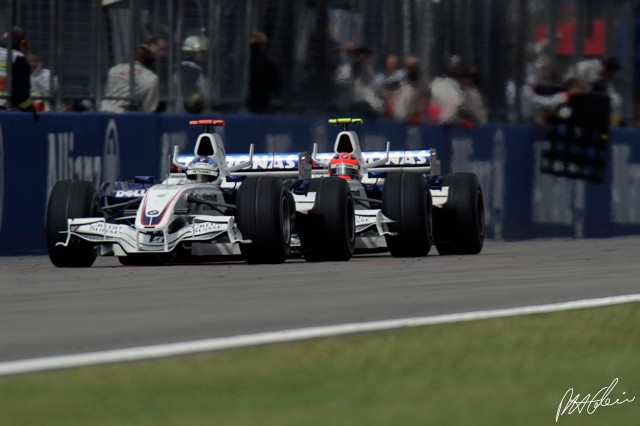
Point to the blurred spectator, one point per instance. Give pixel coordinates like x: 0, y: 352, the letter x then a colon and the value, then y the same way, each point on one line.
x: 20, y: 84
x: 406, y: 105
x: 586, y: 71
x: 387, y: 83
x: 146, y: 86
x: 264, y: 77
x: 157, y: 44
x: 40, y: 82
x: 537, y: 69
x: 536, y: 96
x: 473, y: 107
x: 548, y: 102
x: 356, y: 84
x: 605, y: 84
x: 598, y: 75
x: 344, y: 70
x: 343, y: 76
x: 77, y: 105
x: 456, y: 97
x: 194, y: 88
x: 364, y: 96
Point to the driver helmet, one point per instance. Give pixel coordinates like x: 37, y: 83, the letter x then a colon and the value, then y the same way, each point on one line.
x: 344, y: 165
x: 203, y: 169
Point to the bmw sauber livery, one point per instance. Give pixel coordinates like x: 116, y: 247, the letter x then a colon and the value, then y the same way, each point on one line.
x: 325, y: 206
x: 189, y: 215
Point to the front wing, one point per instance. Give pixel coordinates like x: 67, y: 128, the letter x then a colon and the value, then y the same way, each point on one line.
x: 204, y: 228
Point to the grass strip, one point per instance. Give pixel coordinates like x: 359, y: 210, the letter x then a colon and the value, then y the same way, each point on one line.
x: 509, y: 371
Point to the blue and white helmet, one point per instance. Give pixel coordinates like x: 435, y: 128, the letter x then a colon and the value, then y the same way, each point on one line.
x: 203, y: 169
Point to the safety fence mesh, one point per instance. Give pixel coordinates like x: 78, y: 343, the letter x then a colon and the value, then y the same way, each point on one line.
x: 506, y: 42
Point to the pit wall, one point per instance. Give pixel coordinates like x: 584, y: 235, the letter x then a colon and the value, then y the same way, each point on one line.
x: 520, y: 202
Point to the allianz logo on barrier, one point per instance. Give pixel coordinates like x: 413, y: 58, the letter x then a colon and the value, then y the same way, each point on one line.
x: 63, y: 163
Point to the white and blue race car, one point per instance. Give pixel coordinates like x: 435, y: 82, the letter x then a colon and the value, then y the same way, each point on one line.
x: 351, y: 201
x: 188, y: 215
x: 402, y: 203
x: 326, y: 206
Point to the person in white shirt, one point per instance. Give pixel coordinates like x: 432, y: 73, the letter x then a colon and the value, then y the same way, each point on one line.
x: 146, y: 85
x: 40, y: 82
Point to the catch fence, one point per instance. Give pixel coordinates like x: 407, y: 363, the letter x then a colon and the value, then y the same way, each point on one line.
x: 506, y: 41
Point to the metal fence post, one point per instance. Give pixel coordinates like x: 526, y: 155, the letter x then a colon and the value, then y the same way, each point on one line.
x: 133, y: 15
x: 99, y: 37
x: 9, y: 78
x: 171, y: 55
x: 579, y: 32
x: 180, y: 36
x: 247, y: 53
x: 58, y: 48
x: 551, y: 33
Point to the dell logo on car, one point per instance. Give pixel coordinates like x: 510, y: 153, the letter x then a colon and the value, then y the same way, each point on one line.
x: 130, y: 193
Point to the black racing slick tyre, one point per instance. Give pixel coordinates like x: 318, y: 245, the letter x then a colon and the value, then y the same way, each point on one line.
x: 328, y: 232
x: 70, y: 199
x: 407, y: 200
x: 459, y: 225
x: 264, y: 215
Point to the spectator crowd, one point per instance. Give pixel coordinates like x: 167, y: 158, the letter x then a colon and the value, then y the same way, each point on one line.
x: 400, y: 88
x: 545, y: 90
x: 403, y: 90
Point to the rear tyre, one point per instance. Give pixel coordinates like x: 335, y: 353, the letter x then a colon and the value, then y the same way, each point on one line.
x: 328, y: 233
x: 460, y: 223
x: 407, y: 200
x: 70, y: 199
x: 264, y: 216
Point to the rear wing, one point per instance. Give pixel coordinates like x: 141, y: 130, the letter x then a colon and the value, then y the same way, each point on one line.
x: 286, y: 164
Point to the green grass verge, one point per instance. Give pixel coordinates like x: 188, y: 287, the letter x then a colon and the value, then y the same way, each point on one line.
x: 510, y: 371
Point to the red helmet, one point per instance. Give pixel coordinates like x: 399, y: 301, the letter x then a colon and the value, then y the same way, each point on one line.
x: 344, y: 165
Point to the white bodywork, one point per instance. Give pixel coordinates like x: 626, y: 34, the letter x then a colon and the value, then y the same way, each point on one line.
x: 151, y: 233
x: 371, y: 223
x: 162, y: 220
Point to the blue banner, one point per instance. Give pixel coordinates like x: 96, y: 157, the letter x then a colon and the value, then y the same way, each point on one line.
x: 521, y: 202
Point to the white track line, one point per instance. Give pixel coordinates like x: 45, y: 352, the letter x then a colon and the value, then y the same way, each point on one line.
x: 222, y: 343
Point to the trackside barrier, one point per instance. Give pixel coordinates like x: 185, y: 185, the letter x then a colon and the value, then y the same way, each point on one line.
x: 520, y: 202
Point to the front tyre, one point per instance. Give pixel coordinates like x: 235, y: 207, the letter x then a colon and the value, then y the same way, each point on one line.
x: 264, y: 211
x: 460, y: 223
x: 407, y: 200
x: 70, y: 199
x: 329, y: 232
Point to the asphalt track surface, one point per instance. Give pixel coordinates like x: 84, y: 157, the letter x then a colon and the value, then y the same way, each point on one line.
x: 46, y: 311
